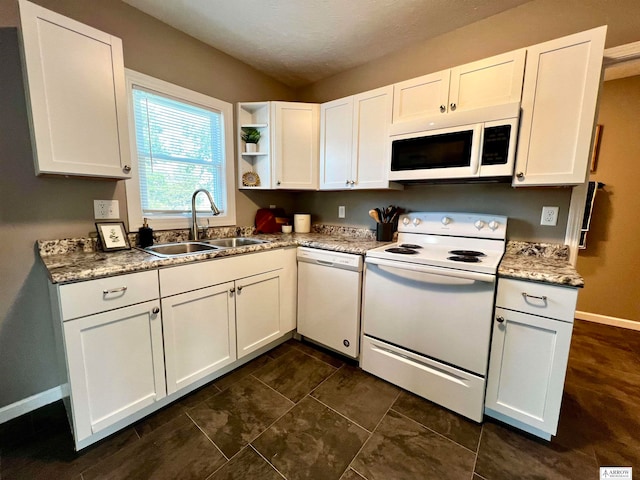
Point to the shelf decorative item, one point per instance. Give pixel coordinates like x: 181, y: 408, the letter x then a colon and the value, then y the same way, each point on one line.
x: 250, y: 136
x: 250, y: 179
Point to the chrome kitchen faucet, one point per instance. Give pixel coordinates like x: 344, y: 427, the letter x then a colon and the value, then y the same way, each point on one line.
x: 194, y: 222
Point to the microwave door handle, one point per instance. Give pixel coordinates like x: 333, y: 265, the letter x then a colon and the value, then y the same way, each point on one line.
x: 476, y: 149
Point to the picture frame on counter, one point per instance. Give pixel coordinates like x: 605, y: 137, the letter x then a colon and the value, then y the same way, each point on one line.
x: 113, y: 236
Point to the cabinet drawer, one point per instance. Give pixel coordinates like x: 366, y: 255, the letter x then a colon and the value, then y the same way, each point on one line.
x: 93, y: 296
x: 537, y: 298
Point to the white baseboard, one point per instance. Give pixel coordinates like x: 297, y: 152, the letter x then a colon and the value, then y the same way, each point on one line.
x: 613, y: 321
x: 29, y: 404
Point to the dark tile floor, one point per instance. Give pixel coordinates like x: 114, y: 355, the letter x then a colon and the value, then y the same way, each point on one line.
x: 300, y: 413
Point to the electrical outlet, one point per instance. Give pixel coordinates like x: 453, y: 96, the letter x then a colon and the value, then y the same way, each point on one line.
x: 341, y: 211
x: 106, y: 209
x: 549, y: 216
x: 272, y: 206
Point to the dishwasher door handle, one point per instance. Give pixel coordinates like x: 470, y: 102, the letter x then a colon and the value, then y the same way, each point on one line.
x: 324, y: 263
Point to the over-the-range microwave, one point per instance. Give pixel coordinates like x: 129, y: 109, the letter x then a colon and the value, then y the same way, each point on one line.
x: 473, y: 144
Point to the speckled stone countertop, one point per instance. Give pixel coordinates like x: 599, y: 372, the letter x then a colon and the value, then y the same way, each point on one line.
x: 539, y: 262
x: 78, y: 259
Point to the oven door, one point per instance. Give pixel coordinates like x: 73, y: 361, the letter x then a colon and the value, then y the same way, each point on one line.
x: 452, y: 152
x: 441, y: 313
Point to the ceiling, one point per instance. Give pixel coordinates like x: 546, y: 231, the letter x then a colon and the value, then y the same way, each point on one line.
x: 299, y: 42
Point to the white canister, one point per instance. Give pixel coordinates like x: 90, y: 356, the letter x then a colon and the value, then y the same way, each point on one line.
x: 302, y: 222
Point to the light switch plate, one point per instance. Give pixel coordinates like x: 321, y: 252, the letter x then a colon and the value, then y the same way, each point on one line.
x: 341, y: 211
x: 106, y: 209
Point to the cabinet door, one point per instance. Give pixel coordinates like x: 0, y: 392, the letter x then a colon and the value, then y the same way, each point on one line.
x: 559, y: 98
x: 421, y: 97
x: 199, y: 334
x: 76, y: 94
x: 295, y: 144
x: 491, y: 81
x: 116, y: 366
x: 527, y: 367
x: 336, y: 137
x: 371, y: 120
x: 257, y: 311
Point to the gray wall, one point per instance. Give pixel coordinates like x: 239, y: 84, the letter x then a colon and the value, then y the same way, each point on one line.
x: 35, y: 208
x: 522, y: 206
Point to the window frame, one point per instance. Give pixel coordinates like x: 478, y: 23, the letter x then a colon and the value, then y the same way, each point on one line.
x: 132, y: 185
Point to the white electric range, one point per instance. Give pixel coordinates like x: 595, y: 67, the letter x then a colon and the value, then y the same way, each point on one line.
x: 428, y: 306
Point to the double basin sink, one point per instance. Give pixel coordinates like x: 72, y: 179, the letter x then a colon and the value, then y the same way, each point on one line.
x: 200, y: 246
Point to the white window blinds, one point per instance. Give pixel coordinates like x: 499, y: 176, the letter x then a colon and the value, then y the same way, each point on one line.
x: 180, y: 149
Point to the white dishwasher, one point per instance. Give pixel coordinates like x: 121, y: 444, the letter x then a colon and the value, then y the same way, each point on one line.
x: 329, y: 298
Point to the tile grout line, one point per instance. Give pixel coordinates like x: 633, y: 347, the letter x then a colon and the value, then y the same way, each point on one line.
x: 341, y: 414
x: 475, y: 462
x: 437, y: 433
x: 266, y: 460
x: 364, y: 444
x: 208, y: 438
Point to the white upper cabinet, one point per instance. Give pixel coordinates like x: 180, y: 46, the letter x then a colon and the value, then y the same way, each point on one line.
x: 74, y: 81
x: 421, y: 97
x: 336, y: 139
x: 295, y: 145
x: 559, y: 98
x: 491, y: 81
x: 354, y: 141
x: 286, y: 157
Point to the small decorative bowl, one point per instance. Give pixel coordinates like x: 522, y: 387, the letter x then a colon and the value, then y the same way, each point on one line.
x: 287, y: 228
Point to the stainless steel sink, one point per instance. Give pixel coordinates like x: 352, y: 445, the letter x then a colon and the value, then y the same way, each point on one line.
x: 180, y: 248
x: 234, y: 242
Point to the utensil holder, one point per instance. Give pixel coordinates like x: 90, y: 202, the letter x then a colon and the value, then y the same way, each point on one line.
x: 384, y: 232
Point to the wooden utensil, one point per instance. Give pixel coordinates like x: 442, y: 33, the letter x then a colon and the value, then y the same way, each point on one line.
x: 375, y: 215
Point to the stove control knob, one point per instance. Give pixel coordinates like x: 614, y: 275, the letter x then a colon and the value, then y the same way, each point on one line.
x: 416, y: 222
x: 479, y: 224
x: 445, y: 220
x: 405, y: 221
x: 493, y: 225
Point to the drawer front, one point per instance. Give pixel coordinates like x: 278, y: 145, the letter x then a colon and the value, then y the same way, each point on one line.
x: 94, y: 296
x: 455, y: 389
x: 537, y: 298
x: 184, y: 278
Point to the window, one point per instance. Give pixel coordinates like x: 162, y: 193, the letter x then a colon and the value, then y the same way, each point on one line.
x: 181, y: 142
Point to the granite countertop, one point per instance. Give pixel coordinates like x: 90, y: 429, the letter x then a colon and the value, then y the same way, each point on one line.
x: 539, y: 262
x: 73, y: 260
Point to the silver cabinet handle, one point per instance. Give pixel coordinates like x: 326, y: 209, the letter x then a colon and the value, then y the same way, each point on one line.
x: 443, y: 109
x: 126, y: 168
x: 520, y: 175
x: 346, y: 182
x: 542, y: 297
x: 453, y: 106
x: 232, y: 290
x: 239, y: 288
x: 155, y: 310
x: 500, y: 319
x: 114, y: 290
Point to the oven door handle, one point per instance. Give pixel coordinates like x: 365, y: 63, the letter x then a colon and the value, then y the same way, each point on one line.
x: 428, y: 274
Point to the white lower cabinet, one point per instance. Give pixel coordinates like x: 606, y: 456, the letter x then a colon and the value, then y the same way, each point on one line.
x: 116, y: 365
x: 529, y: 354
x: 131, y: 344
x: 218, y: 311
x: 199, y: 334
x: 257, y: 311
